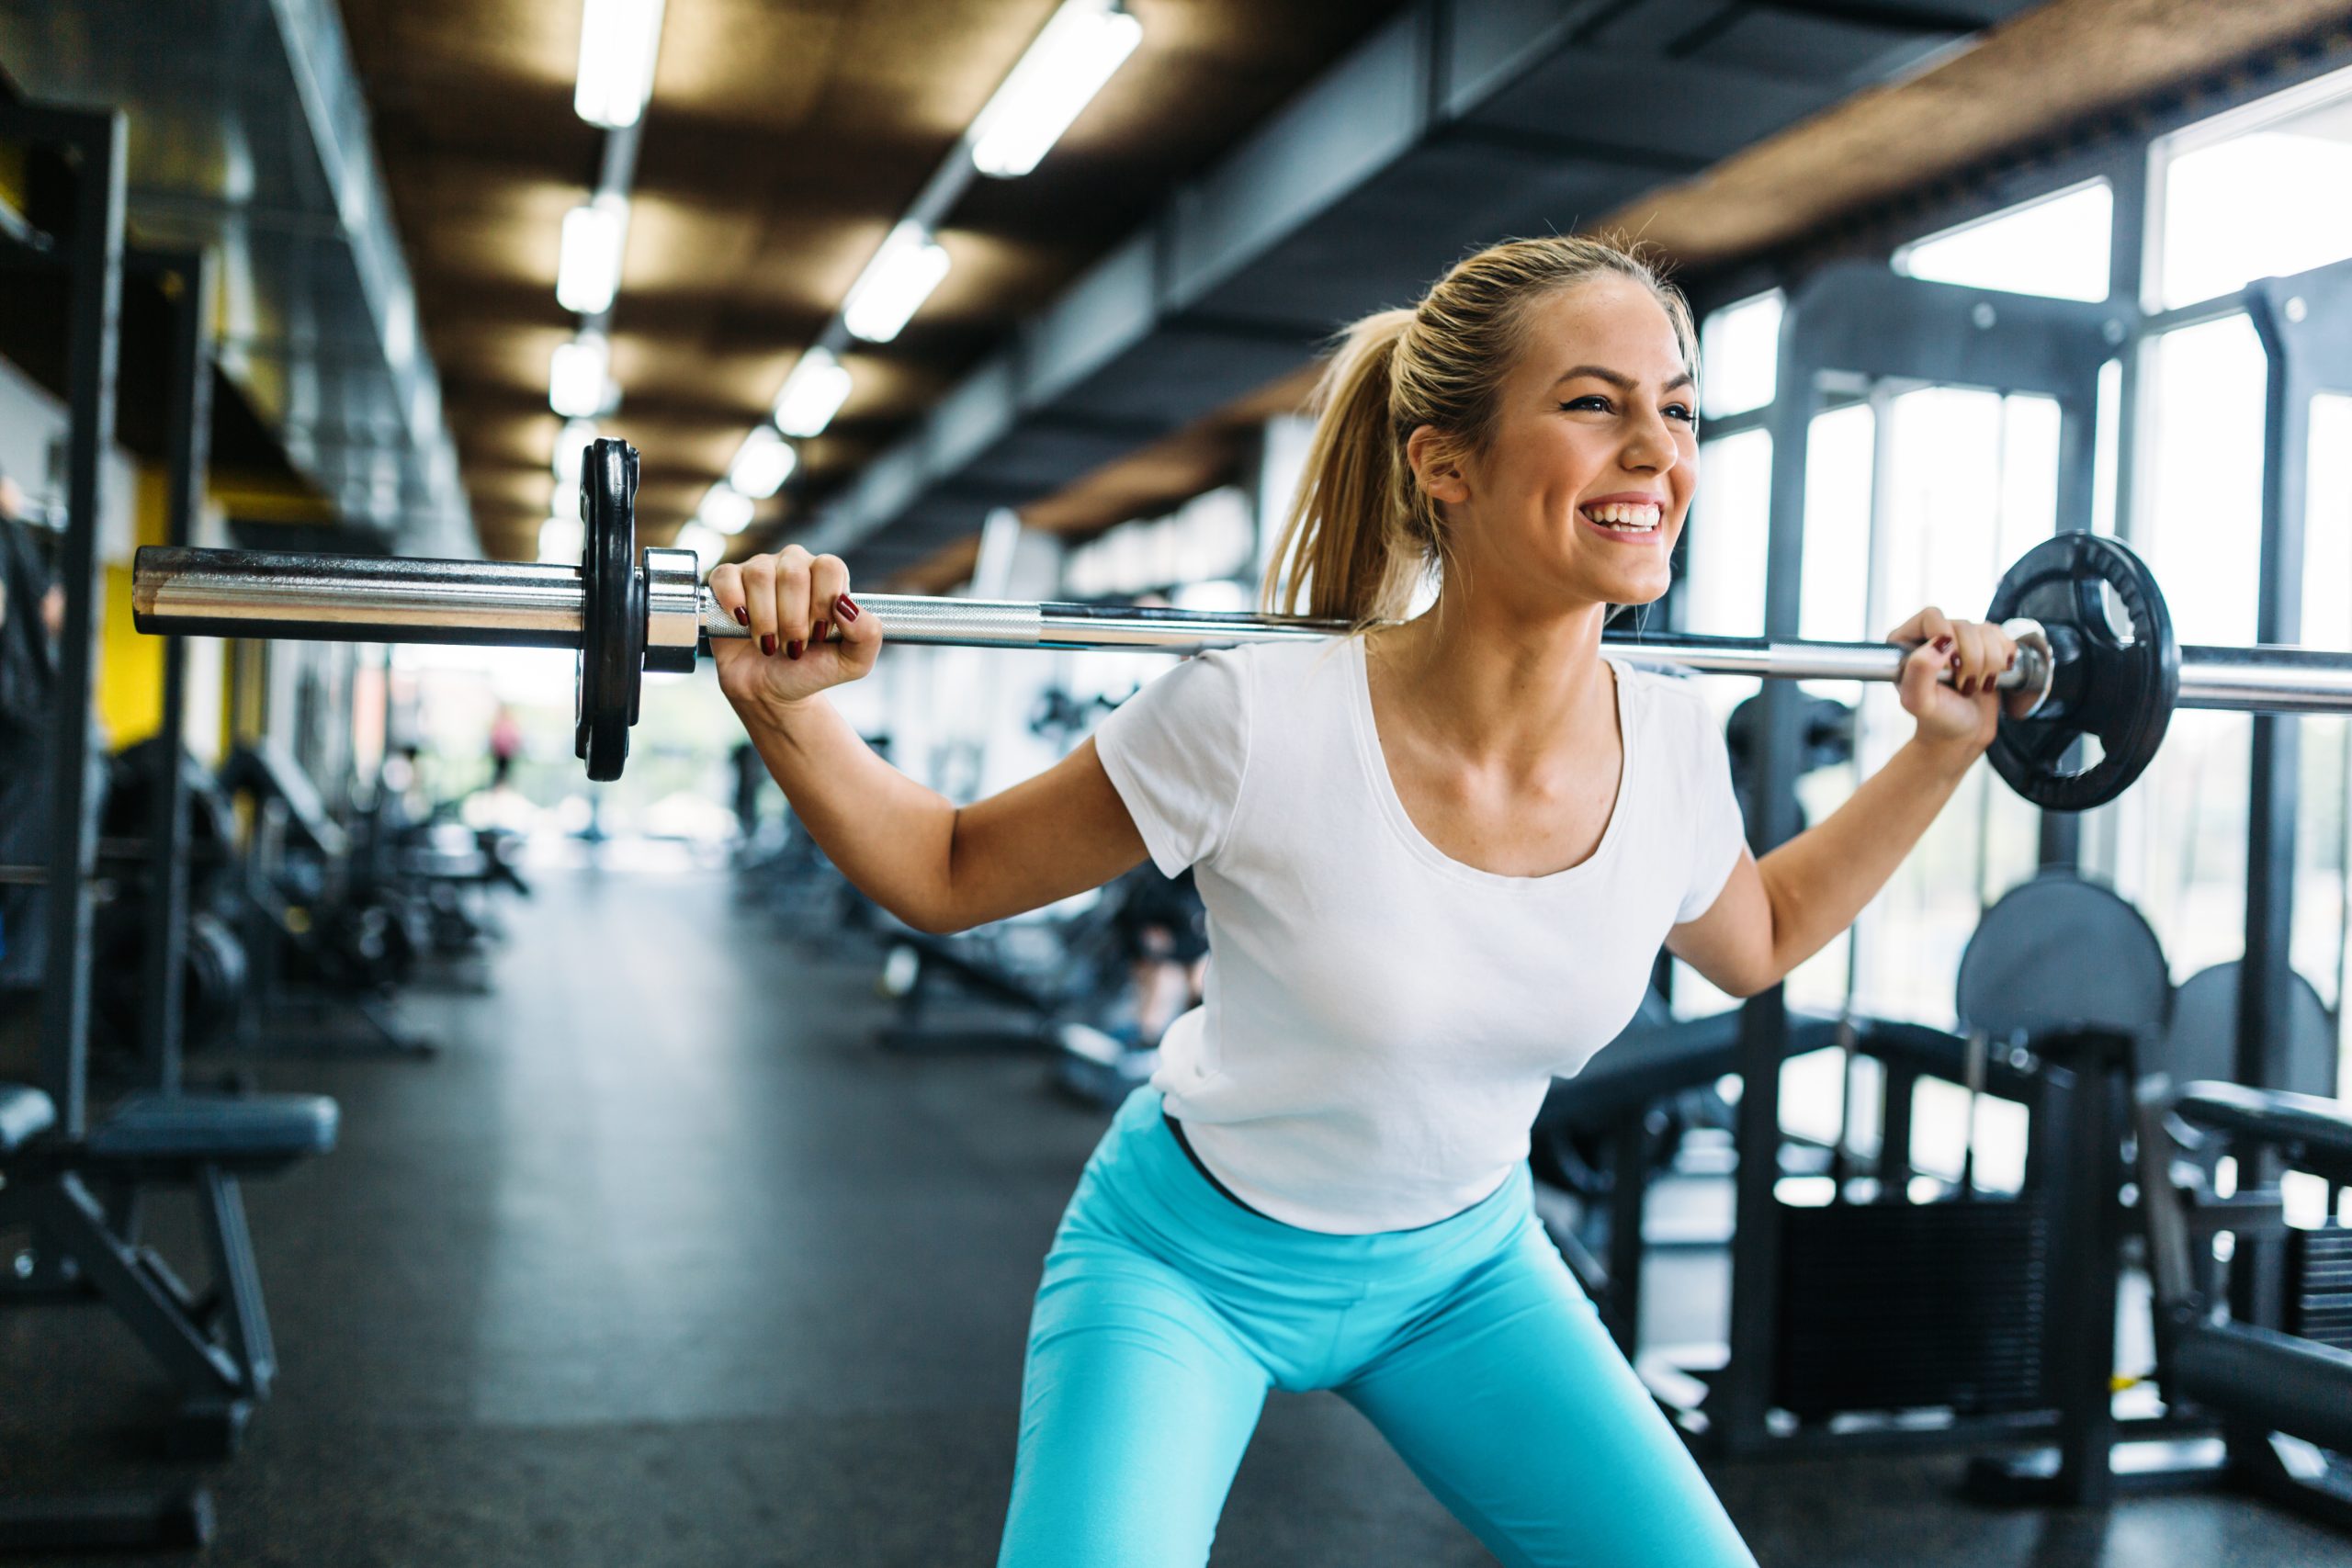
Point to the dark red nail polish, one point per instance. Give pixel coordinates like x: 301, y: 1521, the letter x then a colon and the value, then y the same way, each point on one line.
x: 791, y: 649
x: 816, y: 634
x: 1943, y: 644
x: 742, y: 616
x: 846, y: 608
x: 767, y: 644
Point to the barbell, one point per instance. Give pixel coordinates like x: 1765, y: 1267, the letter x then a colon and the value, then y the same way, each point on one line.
x: 2097, y: 659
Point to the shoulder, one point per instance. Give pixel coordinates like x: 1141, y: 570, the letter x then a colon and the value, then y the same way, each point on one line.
x: 1671, y: 707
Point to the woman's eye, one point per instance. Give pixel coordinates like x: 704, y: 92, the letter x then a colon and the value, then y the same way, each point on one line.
x: 1682, y: 411
x: 1594, y: 402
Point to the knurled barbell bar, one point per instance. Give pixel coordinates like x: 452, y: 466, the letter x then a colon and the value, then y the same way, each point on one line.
x: 2098, y: 657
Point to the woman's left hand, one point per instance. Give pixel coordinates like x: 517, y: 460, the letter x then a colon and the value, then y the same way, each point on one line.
x: 1961, y: 717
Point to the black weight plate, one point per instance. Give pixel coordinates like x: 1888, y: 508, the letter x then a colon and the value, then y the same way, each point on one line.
x: 612, y: 626
x: 2057, y: 952
x: 2202, y: 1044
x: 2116, y: 683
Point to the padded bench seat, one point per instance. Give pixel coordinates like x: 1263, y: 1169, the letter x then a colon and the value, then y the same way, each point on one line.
x: 24, y: 1113
x: 247, y: 1133
x: 2314, y: 1134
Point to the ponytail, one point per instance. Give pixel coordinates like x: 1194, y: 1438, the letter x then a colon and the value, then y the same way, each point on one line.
x: 1361, y: 533
x: 1342, y: 553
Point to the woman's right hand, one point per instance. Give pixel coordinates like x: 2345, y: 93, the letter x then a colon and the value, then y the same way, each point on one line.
x: 787, y: 600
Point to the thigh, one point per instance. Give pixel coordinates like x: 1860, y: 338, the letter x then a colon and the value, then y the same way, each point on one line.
x: 1515, y: 1408
x: 1137, y: 1402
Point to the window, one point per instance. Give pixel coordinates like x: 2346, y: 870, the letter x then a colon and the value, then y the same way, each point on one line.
x: 2181, y: 829
x: 2056, y: 245
x: 1739, y: 356
x: 2242, y: 196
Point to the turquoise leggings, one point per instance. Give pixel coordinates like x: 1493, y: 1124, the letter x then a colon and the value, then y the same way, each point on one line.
x: 1168, y: 1310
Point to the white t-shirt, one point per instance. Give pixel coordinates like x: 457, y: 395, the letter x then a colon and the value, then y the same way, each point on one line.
x: 1381, y: 1021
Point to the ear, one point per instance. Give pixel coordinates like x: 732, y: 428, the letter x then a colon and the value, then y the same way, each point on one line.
x: 1437, y: 466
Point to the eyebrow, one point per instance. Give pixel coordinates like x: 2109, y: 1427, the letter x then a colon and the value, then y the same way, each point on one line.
x: 1618, y: 379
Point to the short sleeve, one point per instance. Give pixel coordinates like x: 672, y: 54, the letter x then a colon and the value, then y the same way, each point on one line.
x: 1719, y: 832
x: 1176, y: 752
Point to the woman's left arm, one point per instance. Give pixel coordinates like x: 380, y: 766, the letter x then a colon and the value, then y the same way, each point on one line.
x: 1775, y: 913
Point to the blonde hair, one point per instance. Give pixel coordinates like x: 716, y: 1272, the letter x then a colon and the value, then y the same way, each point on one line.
x: 1362, y: 533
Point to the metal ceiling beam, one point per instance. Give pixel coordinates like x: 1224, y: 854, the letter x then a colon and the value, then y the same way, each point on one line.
x: 249, y: 139
x: 1459, y: 123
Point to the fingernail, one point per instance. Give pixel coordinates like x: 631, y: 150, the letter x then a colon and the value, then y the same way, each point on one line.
x: 767, y: 643
x: 1943, y: 644
x: 1968, y: 687
x: 742, y: 616
x: 816, y: 634
x: 791, y: 649
x: 846, y: 607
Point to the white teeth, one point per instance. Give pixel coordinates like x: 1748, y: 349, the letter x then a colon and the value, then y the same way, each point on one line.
x: 1631, y: 518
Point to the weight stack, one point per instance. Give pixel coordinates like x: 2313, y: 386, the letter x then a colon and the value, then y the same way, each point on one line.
x: 1905, y: 1306
x: 2319, y: 1285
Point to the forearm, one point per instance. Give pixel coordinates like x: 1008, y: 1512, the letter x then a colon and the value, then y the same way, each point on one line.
x: 890, y: 836
x: 1817, y: 882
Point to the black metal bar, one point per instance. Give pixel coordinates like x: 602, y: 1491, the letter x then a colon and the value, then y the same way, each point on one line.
x: 92, y: 141
x: 1629, y: 1172
x: 1738, y: 1404
x: 188, y: 281
x: 2305, y: 325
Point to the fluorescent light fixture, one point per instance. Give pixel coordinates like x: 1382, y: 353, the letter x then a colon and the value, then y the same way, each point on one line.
x: 725, y: 510
x: 588, y: 273
x: 1080, y: 47
x: 812, y: 394
x: 708, y: 545
x: 571, y: 452
x: 893, y: 284
x: 561, y: 541
x: 766, y: 461
x: 619, y: 40
x: 579, y: 383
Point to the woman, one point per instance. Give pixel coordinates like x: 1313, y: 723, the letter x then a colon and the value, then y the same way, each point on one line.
x: 1437, y: 858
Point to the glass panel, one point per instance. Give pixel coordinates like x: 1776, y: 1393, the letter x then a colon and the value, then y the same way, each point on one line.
x: 2322, y: 852
x: 2240, y: 203
x: 1723, y: 553
x: 1740, y: 356
x: 2056, y: 246
x: 2180, y: 849
x: 1971, y: 485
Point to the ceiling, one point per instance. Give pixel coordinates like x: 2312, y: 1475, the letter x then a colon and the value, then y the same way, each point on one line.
x: 781, y: 142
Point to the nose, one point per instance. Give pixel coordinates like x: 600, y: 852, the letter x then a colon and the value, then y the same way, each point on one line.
x: 1650, y: 447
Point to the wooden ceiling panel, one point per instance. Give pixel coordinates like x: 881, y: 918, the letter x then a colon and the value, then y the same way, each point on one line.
x: 784, y: 138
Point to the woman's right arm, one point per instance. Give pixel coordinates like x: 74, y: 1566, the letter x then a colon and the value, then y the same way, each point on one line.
x: 935, y: 865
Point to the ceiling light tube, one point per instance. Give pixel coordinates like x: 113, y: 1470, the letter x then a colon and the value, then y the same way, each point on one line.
x: 766, y: 461
x: 571, y: 450
x: 579, y: 383
x: 561, y: 539
x: 725, y: 509
x: 619, y: 40
x: 812, y: 394
x: 588, y: 273
x: 893, y: 284
x: 708, y: 546
x: 1082, y: 46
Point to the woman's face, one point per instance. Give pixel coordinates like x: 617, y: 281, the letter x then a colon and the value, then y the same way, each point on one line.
x: 1581, y: 493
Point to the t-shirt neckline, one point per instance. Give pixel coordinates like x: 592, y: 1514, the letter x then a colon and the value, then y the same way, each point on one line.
x: 1391, y: 804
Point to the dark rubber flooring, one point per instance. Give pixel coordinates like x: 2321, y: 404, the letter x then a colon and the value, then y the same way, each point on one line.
x: 662, y: 1261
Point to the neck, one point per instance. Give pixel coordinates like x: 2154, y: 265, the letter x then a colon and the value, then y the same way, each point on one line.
x: 1493, y: 681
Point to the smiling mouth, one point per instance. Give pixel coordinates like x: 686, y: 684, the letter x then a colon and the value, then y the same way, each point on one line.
x: 1626, y: 517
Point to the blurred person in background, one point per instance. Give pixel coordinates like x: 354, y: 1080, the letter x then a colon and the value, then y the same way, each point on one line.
x: 506, y: 745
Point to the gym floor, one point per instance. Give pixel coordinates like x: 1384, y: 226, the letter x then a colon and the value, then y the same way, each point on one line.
x: 662, y: 1260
